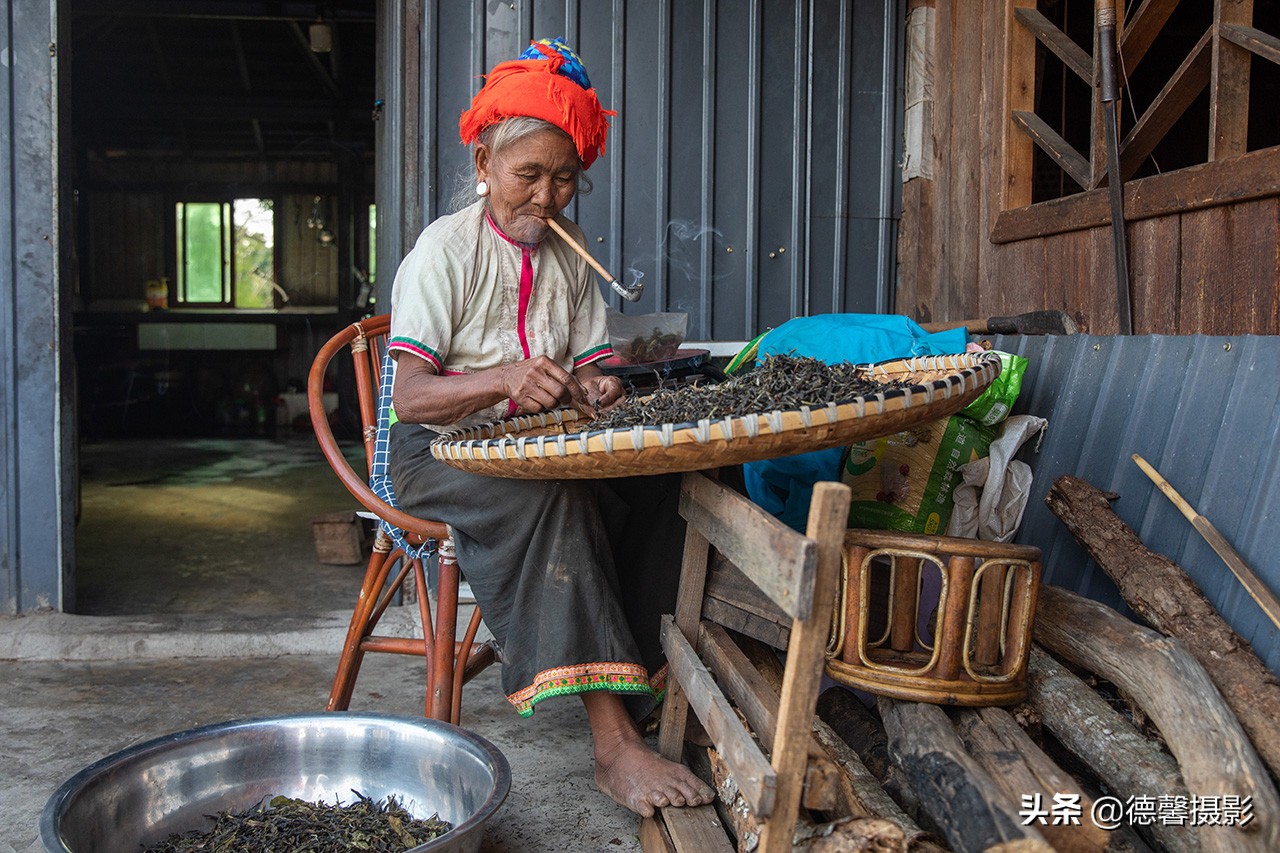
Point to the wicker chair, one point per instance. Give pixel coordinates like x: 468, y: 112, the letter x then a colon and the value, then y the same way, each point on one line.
x: 402, y: 544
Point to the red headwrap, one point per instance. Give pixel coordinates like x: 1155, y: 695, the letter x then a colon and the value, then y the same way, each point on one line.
x: 531, y: 87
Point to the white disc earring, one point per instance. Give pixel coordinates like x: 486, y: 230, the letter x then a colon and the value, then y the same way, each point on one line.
x: 482, y: 189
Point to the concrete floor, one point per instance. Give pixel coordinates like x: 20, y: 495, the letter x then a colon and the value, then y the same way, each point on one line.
x: 172, y: 538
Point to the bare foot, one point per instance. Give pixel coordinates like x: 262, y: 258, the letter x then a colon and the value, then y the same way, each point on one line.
x: 629, y: 771
x: 637, y: 777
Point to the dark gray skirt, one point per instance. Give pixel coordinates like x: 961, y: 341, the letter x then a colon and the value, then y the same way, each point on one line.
x: 571, y: 576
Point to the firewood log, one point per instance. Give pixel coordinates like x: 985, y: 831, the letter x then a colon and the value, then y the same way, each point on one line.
x: 1021, y: 769
x: 1161, y: 592
x: 862, y: 730
x: 1125, y: 840
x: 730, y: 803
x: 959, y: 795
x: 865, y: 790
x: 845, y: 835
x: 1213, y: 752
x: 850, y: 835
x: 1126, y: 761
x: 863, y: 796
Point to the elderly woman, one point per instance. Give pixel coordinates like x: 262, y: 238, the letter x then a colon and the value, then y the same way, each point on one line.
x: 492, y: 314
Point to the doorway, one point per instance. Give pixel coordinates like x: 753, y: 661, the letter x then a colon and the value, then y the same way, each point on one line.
x: 221, y: 165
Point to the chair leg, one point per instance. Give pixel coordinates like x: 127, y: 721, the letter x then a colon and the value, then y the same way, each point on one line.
x: 446, y: 659
x: 440, y: 683
x: 349, y: 663
x: 428, y: 635
x: 460, y: 666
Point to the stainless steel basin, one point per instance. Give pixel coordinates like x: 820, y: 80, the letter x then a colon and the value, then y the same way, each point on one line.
x: 142, y: 794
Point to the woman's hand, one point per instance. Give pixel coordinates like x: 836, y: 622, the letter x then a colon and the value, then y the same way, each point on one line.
x: 603, y: 392
x: 421, y: 396
x: 536, y: 385
x: 539, y: 384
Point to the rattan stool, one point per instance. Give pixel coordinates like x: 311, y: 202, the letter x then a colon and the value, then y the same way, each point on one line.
x: 972, y: 651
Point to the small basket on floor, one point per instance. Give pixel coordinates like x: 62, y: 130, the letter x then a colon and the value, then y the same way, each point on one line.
x: 972, y: 650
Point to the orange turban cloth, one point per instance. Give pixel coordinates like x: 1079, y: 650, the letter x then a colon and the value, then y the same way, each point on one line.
x: 539, y: 89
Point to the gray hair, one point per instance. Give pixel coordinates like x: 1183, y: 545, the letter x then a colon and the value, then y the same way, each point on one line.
x: 499, y: 137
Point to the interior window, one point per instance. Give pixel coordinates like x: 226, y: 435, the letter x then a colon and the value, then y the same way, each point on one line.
x: 226, y: 253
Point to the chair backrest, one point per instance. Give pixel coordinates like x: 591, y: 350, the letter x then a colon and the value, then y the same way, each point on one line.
x: 799, y: 575
x: 365, y: 341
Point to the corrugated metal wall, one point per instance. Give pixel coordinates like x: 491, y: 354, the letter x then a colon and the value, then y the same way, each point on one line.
x: 750, y: 176
x: 1205, y: 412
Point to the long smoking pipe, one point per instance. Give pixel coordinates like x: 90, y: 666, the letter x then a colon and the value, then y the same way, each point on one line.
x: 631, y: 294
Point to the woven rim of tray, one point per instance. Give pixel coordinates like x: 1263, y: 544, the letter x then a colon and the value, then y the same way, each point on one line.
x: 503, y: 449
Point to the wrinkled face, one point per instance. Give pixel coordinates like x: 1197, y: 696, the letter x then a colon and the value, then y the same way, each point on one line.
x: 530, y: 180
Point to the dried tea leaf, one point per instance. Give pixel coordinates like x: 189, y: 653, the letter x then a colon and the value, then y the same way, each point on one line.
x: 286, y: 824
x: 779, y: 383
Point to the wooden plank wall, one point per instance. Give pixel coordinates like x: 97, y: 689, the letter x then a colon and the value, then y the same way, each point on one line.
x: 1214, y: 270
x: 125, y: 216
x: 308, y: 268
x: 125, y: 242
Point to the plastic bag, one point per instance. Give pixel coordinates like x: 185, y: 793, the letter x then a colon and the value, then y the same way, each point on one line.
x: 784, y: 485
x: 993, y: 405
x: 642, y: 338
x: 993, y: 494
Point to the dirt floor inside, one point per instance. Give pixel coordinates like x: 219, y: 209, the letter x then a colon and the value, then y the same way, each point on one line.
x: 199, y: 599
x: 207, y: 526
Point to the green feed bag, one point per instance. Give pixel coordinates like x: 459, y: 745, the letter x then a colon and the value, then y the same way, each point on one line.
x: 995, y: 403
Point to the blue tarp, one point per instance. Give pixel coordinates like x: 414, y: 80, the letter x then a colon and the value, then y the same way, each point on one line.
x: 784, y: 486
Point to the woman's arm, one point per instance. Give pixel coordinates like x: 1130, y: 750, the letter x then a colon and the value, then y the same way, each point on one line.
x: 421, y: 396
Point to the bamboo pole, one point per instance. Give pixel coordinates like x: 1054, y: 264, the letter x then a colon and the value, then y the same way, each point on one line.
x: 1252, y: 583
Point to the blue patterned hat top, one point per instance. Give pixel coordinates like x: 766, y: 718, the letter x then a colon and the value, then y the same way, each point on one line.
x: 572, y: 68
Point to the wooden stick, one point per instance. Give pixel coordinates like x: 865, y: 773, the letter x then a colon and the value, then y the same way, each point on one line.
x: 1253, y: 585
x: 631, y: 294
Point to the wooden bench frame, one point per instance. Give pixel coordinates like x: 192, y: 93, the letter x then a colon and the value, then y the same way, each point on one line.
x: 799, y: 574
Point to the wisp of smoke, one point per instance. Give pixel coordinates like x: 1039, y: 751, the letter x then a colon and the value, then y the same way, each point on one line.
x: 680, y: 249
